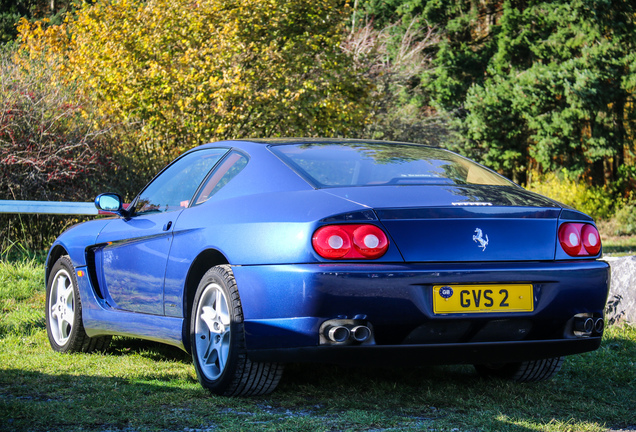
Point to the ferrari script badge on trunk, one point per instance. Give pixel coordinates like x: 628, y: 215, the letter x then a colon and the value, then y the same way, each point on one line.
x: 480, y: 240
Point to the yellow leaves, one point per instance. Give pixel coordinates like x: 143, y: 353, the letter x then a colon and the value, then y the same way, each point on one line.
x: 204, y: 70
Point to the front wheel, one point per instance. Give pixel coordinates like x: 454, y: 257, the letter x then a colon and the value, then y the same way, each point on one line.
x: 217, y: 339
x: 526, y: 371
x: 64, y: 325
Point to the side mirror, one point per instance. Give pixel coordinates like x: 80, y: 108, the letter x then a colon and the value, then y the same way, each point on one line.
x: 112, y: 203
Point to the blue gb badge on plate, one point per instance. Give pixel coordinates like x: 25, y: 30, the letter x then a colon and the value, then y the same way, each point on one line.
x: 446, y: 292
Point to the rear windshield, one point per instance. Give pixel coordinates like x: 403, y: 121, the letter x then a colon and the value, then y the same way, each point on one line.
x: 328, y: 165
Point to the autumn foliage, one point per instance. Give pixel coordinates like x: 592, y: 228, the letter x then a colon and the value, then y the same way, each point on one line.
x: 190, y: 72
x: 47, y: 151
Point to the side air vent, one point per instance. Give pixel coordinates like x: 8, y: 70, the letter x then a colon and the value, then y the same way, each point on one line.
x: 92, y: 272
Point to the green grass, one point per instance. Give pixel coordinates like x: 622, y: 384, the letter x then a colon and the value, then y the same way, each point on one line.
x: 619, y: 246
x: 615, y: 245
x: 143, y: 386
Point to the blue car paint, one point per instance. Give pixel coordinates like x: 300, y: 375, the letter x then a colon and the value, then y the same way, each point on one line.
x: 73, y: 242
x: 101, y: 319
x: 132, y: 262
x: 261, y: 223
x: 394, y: 296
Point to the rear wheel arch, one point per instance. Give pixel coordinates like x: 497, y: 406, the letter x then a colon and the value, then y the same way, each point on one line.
x: 202, y: 263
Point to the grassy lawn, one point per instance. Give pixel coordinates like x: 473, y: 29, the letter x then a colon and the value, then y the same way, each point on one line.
x: 142, y: 386
x: 614, y: 245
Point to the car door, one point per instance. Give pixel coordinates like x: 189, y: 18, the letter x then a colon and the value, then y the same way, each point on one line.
x: 132, y: 259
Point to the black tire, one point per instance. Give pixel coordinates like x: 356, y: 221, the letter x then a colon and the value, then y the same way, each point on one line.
x: 217, y: 338
x: 527, y: 371
x: 64, y: 325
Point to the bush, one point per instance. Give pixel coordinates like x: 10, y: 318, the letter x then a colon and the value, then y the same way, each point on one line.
x: 191, y: 72
x: 48, y: 151
x: 624, y: 220
x: 596, y: 201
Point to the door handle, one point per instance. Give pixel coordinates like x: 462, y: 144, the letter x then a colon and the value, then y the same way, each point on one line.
x: 167, y: 226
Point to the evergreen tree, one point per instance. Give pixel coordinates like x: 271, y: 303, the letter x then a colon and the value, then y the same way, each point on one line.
x: 533, y: 85
x: 558, y: 90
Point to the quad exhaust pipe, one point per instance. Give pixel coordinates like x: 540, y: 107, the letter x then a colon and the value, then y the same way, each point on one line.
x: 342, y: 333
x: 586, y: 325
x: 346, y: 332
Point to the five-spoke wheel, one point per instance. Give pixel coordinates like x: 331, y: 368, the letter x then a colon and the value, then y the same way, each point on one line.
x: 212, y: 331
x: 61, y: 307
x: 64, y: 325
x: 217, y: 339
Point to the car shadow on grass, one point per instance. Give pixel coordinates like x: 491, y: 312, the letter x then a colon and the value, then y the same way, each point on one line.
x: 121, y: 346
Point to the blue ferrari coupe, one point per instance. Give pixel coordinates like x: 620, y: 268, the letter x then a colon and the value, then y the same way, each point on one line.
x: 251, y: 254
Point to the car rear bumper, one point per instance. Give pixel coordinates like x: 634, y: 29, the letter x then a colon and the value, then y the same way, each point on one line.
x: 285, y: 307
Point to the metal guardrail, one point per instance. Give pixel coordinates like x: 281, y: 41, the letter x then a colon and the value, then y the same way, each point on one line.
x: 48, y: 207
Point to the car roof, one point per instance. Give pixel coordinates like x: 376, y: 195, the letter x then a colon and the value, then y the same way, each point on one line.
x: 280, y: 141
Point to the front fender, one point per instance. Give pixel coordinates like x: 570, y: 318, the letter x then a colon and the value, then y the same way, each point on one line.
x: 74, y: 242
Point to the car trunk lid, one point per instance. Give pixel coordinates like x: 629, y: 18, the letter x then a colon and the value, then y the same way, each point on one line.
x: 461, y: 224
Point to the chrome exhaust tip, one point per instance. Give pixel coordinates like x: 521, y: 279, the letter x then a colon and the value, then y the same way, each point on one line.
x: 361, y: 333
x: 584, y: 325
x: 599, y: 325
x: 338, y: 333
x: 346, y: 331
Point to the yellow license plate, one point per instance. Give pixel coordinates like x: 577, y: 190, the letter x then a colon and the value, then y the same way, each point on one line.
x: 482, y: 298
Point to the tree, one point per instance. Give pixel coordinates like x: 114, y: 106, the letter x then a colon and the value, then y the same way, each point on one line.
x: 11, y: 11
x: 393, y: 59
x: 533, y: 85
x: 189, y: 71
x: 466, y: 30
x: 558, y: 92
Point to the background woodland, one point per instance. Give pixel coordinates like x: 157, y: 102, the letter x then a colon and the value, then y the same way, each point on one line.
x: 97, y: 96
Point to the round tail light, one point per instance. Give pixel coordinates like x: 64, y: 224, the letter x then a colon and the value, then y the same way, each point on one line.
x: 570, y: 238
x: 355, y: 241
x: 331, y: 242
x: 579, y: 239
x: 370, y: 241
x: 591, y: 239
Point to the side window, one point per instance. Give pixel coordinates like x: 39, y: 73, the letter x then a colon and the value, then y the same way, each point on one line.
x: 227, y: 169
x: 174, y: 187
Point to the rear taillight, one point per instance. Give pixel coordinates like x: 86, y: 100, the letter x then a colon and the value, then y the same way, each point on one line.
x: 579, y: 239
x: 591, y: 239
x: 350, y: 241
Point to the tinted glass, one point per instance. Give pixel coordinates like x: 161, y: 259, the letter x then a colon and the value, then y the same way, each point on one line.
x: 174, y: 187
x: 231, y: 165
x: 362, y: 164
